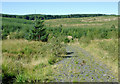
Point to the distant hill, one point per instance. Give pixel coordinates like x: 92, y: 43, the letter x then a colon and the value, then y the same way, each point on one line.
x: 32, y: 16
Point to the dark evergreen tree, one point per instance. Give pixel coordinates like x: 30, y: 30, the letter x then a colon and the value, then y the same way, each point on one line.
x: 38, y: 32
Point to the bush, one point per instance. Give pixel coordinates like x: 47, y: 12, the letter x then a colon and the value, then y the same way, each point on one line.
x: 66, y: 40
x: 4, y: 35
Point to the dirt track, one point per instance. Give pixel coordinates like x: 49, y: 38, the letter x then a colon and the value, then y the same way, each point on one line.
x: 76, y: 67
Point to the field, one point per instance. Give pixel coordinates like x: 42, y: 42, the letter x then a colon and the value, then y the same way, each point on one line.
x: 35, y: 61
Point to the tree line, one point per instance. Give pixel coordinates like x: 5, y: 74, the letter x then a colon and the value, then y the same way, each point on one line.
x: 32, y: 16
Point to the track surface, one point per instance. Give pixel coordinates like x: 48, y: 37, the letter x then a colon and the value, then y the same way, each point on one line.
x: 82, y: 67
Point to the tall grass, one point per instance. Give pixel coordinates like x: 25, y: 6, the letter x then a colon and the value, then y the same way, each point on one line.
x: 104, y: 50
x: 29, y: 61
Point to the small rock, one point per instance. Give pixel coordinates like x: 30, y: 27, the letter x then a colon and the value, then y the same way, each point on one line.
x: 81, y: 72
x: 104, y: 74
x: 59, y: 75
x: 71, y: 75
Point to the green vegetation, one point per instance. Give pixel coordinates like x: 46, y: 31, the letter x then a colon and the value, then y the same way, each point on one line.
x: 29, y: 61
x: 15, y: 28
x: 38, y: 32
x: 32, y: 16
x: 100, y: 28
x: 67, y: 40
x: 32, y: 61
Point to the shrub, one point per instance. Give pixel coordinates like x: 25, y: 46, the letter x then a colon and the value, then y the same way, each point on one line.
x: 4, y: 35
x: 66, y: 40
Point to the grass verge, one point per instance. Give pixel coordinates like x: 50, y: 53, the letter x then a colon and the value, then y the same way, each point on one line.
x: 29, y: 61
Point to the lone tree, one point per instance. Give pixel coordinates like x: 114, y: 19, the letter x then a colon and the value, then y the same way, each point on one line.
x: 38, y: 32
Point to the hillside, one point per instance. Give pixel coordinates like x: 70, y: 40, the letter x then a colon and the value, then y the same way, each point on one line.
x: 80, y: 26
x: 92, y: 48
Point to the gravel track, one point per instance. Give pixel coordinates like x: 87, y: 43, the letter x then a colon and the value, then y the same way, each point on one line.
x: 81, y: 68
